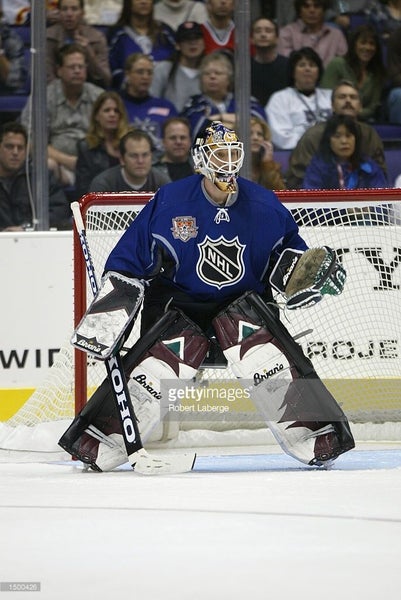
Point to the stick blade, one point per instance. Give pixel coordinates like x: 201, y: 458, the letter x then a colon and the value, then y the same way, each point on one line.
x: 145, y: 464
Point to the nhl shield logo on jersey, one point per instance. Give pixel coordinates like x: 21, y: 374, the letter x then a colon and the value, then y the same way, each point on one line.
x: 184, y: 228
x: 220, y: 261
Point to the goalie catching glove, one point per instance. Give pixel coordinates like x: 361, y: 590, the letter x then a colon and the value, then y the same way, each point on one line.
x: 113, y: 309
x: 304, y: 277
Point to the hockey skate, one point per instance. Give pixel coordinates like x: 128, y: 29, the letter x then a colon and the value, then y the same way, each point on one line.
x: 101, y: 450
x: 327, y: 446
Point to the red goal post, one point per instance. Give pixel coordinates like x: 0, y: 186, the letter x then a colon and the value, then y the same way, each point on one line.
x: 356, y: 339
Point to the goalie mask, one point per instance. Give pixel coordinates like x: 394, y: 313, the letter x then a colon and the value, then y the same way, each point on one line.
x: 218, y: 155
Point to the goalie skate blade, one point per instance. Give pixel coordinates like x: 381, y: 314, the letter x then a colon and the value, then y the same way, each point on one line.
x: 145, y: 464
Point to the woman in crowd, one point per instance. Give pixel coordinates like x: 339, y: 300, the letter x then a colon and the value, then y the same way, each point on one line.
x: 265, y: 170
x: 292, y: 110
x: 177, y: 79
x: 99, y: 149
x: 138, y: 31
x: 340, y: 162
x: 363, y: 65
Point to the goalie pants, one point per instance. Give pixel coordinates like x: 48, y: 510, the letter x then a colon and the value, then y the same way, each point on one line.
x: 301, y: 413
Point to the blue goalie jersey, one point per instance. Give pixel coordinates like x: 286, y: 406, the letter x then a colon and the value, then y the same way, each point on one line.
x: 210, y: 253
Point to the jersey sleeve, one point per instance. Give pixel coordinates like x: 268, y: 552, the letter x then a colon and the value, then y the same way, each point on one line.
x: 137, y: 253
x: 291, y: 238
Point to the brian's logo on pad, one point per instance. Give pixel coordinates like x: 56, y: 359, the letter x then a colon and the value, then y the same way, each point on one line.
x: 90, y: 345
x: 220, y: 261
x: 184, y: 228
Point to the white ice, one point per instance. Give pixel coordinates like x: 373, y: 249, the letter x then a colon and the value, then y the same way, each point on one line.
x: 247, y: 524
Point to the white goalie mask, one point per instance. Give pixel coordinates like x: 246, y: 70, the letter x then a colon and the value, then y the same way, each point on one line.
x: 218, y: 155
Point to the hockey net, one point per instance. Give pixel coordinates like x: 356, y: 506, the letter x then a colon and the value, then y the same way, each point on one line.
x: 354, y: 340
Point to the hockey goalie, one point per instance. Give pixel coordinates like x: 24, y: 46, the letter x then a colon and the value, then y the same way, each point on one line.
x: 205, y: 259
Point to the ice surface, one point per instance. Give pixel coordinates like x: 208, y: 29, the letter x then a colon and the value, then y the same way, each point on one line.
x: 244, y: 525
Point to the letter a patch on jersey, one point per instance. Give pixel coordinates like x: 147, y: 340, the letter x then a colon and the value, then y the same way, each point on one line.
x: 220, y: 261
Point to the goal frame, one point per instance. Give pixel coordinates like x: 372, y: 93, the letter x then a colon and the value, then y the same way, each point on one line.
x: 303, y: 198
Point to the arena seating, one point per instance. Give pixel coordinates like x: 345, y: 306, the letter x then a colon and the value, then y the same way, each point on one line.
x: 390, y: 133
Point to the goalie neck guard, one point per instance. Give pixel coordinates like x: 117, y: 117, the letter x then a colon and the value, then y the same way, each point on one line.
x: 218, y: 155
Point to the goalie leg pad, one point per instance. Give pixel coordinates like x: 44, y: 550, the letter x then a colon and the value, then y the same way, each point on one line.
x: 111, y: 312
x: 301, y: 413
x: 175, y: 357
x: 173, y: 348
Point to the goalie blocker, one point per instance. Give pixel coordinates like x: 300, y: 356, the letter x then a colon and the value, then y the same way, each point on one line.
x: 114, y: 308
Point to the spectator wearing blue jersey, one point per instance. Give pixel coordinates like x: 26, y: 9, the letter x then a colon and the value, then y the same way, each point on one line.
x: 138, y: 31
x: 145, y: 111
x: 216, y: 100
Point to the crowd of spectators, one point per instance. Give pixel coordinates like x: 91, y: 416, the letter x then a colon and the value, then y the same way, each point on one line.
x: 166, y: 68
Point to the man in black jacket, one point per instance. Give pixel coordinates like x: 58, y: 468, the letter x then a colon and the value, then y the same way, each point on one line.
x: 17, y: 207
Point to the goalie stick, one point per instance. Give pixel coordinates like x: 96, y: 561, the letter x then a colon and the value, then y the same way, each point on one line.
x: 140, y: 460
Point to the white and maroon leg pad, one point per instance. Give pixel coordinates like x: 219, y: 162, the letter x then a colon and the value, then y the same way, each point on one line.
x: 303, y: 416
x: 173, y: 348
x: 177, y: 355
